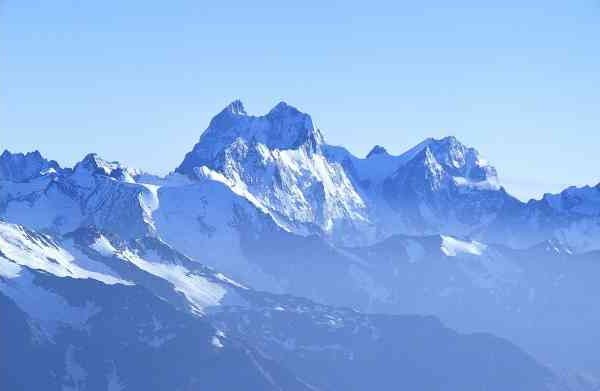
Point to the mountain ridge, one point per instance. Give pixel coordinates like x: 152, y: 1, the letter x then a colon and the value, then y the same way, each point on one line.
x: 431, y: 230
x: 102, y: 312
x: 307, y: 184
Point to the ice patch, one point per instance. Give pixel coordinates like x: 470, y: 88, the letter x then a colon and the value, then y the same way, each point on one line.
x: 453, y: 247
x: 149, y: 197
x: 9, y: 269
x: 228, y: 280
x: 488, y: 184
x: 41, y: 253
x: 199, y: 291
x: 103, y: 247
x: 216, y: 342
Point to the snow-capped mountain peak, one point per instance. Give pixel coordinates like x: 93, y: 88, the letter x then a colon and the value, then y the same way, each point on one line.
x: 280, y: 162
x: 92, y: 164
x: 449, y: 160
x: 459, y: 160
x: 276, y: 160
x: 282, y: 128
x: 447, y: 156
x: 95, y: 164
x: 21, y: 167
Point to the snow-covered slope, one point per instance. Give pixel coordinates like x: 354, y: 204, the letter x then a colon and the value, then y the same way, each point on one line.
x: 21, y: 247
x: 61, y: 334
x: 429, y: 189
x: 204, y: 219
x: 463, y: 164
x: 264, y: 200
x: 87, y: 254
x: 90, y: 312
x: 444, y: 187
x: 95, y: 192
x: 280, y: 163
x: 276, y: 160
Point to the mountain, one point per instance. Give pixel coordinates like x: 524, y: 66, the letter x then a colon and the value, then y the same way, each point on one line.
x: 571, y: 218
x: 430, y: 189
x: 76, y: 324
x: 19, y: 167
x: 282, y: 164
x: 276, y: 161
x: 269, y: 204
x: 92, y: 313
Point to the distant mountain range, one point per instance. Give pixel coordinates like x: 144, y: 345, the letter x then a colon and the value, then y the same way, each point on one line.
x: 209, y: 278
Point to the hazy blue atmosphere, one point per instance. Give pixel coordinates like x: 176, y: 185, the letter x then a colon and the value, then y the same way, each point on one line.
x: 138, y: 81
x: 330, y: 210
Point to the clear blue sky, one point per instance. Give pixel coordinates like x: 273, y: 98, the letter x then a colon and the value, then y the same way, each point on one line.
x: 138, y: 81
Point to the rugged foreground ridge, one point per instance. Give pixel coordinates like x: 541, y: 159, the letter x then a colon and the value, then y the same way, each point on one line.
x: 268, y: 203
x: 84, y: 314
